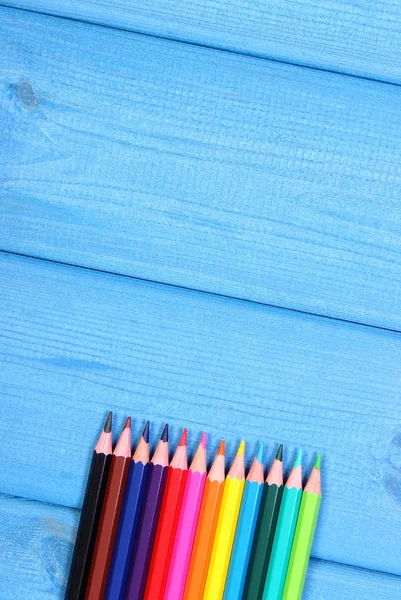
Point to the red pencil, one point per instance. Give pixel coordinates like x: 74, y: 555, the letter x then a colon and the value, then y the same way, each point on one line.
x: 113, y: 500
x: 170, y: 511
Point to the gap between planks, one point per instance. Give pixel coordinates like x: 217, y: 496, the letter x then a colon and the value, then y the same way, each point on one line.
x: 199, y: 291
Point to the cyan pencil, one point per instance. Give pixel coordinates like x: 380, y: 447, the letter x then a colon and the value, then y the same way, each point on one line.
x: 283, y: 538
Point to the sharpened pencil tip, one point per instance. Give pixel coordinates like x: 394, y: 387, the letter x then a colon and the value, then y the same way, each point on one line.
x: 241, y: 448
x: 222, y: 448
x: 318, y: 462
x: 184, y: 437
x: 279, y: 455
x: 298, y: 460
x: 260, y: 453
x: 128, y: 423
x: 164, y: 436
x: 107, y: 425
x: 203, y: 440
x: 145, y: 433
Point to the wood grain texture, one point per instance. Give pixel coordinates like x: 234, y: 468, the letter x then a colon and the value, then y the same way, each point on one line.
x: 38, y: 538
x: 36, y: 541
x: 361, y: 38
x: 199, y: 168
x: 76, y: 343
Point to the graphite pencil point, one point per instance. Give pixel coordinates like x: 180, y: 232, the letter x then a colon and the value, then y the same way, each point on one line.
x: 107, y: 425
x: 298, y: 460
x: 183, y: 438
x: 222, y: 448
x: 318, y: 462
x: 260, y: 453
x: 164, y: 436
x: 145, y: 433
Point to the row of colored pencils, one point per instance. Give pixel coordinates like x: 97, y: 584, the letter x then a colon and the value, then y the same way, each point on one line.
x: 158, y: 531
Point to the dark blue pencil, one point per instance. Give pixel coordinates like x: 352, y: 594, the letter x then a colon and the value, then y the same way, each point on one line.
x: 130, y: 512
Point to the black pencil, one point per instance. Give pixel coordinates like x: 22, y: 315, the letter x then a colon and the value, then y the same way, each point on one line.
x: 90, y: 515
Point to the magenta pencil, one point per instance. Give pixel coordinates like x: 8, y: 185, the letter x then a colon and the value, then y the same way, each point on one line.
x: 187, y: 524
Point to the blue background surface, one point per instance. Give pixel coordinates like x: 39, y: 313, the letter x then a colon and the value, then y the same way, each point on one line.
x: 200, y: 223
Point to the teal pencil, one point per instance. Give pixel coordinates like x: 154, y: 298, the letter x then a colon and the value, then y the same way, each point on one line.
x: 284, y: 535
x: 245, y: 529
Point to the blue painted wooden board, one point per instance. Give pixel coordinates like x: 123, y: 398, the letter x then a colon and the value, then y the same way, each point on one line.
x: 37, y: 541
x: 199, y: 168
x: 363, y: 38
x: 76, y: 343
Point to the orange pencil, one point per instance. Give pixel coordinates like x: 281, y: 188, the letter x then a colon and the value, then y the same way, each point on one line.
x: 204, y: 537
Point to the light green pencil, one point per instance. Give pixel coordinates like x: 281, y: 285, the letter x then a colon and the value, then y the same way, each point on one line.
x: 304, y: 533
x: 284, y: 535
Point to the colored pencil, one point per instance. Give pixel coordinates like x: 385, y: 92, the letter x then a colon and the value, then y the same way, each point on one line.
x: 148, y: 520
x: 245, y: 529
x: 187, y: 522
x: 133, y: 498
x: 223, y: 541
x: 168, y: 520
x: 265, y: 528
x: 283, y: 538
x: 111, y: 510
x: 206, y: 528
x: 90, y: 515
x: 304, y: 533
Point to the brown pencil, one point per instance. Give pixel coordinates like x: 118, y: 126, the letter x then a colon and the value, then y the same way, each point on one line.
x: 113, y: 500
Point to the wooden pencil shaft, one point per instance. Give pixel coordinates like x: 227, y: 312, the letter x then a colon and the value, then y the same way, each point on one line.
x: 302, y: 545
x: 283, y: 539
x: 113, y: 501
x: 224, y: 538
x: 263, y: 541
x: 125, y: 539
x: 88, y: 526
x: 146, y: 531
x: 165, y: 535
x: 204, y: 539
x: 244, y: 535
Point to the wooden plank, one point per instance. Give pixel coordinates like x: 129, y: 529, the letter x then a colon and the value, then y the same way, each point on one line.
x: 194, y: 167
x: 76, y: 343
x: 37, y: 541
x: 328, y: 580
x: 352, y: 37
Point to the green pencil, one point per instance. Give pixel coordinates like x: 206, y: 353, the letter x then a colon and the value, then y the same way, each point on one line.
x: 285, y: 530
x: 305, y: 530
x: 265, y: 528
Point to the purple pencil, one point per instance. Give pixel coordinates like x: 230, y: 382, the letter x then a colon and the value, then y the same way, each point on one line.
x: 153, y: 496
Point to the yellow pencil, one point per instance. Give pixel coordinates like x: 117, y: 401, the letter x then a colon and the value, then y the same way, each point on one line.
x: 223, y: 541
